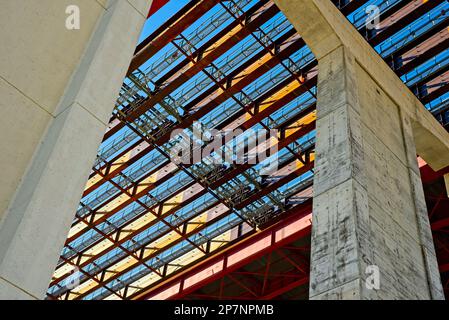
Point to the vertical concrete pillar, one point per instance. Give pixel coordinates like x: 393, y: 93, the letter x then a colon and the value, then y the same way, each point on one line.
x: 369, y: 212
x: 58, y: 91
x: 371, y: 237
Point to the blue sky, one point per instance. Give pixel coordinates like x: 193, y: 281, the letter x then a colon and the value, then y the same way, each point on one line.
x: 161, y: 16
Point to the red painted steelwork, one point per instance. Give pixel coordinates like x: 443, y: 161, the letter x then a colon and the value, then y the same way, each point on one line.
x: 156, y: 5
x: 427, y: 174
x: 286, y: 231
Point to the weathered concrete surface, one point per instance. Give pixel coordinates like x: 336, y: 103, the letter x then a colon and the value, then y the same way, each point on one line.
x: 369, y: 207
x: 58, y: 89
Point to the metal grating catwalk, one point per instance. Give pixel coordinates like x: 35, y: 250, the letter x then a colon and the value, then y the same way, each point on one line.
x: 238, y: 65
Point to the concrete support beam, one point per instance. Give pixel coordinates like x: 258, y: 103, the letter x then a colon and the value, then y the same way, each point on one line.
x: 324, y: 29
x: 369, y: 211
x: 58, y: 91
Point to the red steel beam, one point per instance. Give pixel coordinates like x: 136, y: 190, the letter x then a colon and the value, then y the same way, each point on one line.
x: 287, y: 288
x: 440, y: 224
x: 444, y: 267
x: 258, y: 244
x: 156, y: 5
x: 144, y: 260
x: 174, y: 209
x: 282, y: 144
x: 427, y: 174
x: 186, y: 236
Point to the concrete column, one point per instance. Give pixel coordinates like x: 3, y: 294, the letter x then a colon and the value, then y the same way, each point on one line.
x: 369, y: 211
x: 58, y: 89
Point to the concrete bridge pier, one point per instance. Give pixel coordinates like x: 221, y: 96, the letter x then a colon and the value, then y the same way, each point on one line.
x: 371, y: 237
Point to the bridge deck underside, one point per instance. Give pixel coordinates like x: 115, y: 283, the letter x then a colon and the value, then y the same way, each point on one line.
x: 228, y: 65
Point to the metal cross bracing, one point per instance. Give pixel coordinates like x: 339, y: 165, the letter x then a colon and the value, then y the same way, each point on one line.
x: 136, y: 157
x: 197, y: 282
x: 413, y: 38
x: 162, y: 36
x: 229, y: 33
x: 280, y: 274
x: 245, y: 258
x: 142, y: 217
